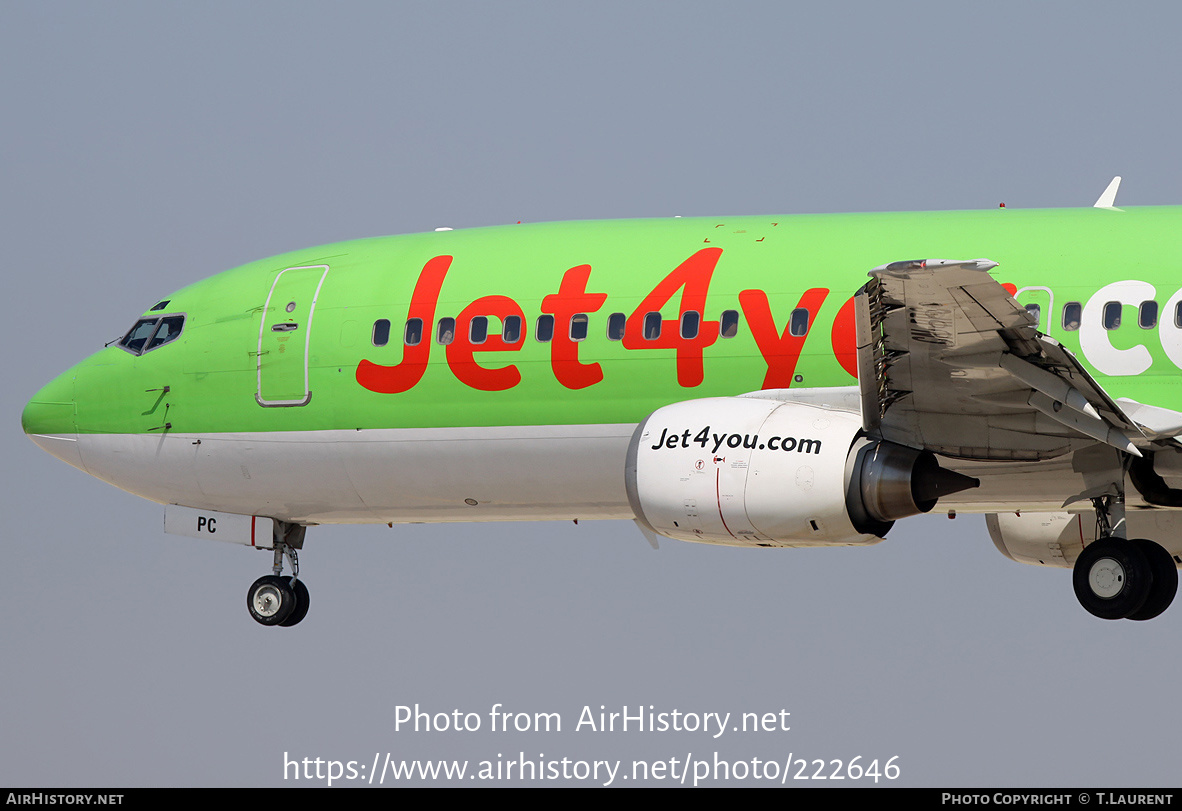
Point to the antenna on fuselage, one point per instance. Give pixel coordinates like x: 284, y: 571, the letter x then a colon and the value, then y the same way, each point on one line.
x: 1108, y: 198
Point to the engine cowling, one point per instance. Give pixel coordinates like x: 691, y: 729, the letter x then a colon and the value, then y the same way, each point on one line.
x: 1057, y: 538
x: 752, y: 472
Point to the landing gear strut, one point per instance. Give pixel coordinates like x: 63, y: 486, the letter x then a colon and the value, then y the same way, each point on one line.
x: 1118, y: 578
x: 275, y: 599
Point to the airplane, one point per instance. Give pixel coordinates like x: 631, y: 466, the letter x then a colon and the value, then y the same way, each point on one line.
x: 796, y: 381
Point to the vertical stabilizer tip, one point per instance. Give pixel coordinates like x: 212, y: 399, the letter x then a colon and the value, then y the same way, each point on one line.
x: 1108, y: 198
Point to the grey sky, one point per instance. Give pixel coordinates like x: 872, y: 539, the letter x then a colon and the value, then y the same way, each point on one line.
x: 148, y: 145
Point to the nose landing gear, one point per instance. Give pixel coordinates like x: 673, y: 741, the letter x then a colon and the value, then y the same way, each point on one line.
x: 271, y: 601
x: 274, y: 599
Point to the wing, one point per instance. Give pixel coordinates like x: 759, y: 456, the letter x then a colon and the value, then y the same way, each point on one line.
x: 948, y: 361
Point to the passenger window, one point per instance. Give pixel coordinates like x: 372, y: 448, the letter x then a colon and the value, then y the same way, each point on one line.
x: 544, y: 330
x: 615, y: 326
x: 1072, y: 311
x: 1035, y: 313
x: 798, y: 323
x: 1178, y: 315
x: 578, y: 326
x: 1112, y: 315
x: 446, y: 332
x: 652, y: 326
x: 728, y: 325
x: 511, y: 329
x: 1147, y: 315
x: 690, y: 321
x: 413, y: 334
x: 381, y: 332
x: 478, y: 329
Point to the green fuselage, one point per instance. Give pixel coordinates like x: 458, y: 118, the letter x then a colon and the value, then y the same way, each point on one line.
x: 235, y: 367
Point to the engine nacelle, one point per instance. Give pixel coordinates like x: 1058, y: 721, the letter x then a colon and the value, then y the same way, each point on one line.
x: 752, y: 472
x: 1056, y: 539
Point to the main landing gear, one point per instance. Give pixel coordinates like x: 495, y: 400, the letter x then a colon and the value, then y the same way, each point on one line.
x: 1120, y: 578
x: 275, y: 599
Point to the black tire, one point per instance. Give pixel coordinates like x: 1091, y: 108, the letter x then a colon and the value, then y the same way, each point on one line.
x: 1165, y: 580
x: 1112, y: 578
x: 301, y: 604
x: 270, y: 600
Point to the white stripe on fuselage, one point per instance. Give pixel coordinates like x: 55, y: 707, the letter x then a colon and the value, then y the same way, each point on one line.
x: 512, y: 473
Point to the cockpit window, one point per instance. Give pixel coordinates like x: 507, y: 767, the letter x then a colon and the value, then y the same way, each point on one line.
x: 149, y: 333
x: 169, y: 329
x: 138, y: 335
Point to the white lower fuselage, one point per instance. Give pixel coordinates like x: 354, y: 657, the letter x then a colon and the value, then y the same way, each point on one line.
x: 511, y: 473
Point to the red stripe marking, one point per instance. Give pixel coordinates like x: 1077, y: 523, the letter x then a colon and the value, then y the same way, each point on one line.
x: 718, y: 499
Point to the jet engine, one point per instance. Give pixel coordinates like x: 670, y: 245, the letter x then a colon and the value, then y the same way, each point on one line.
x: 745, y: 471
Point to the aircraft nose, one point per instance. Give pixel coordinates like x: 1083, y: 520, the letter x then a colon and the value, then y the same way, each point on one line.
x: 48, y: 419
